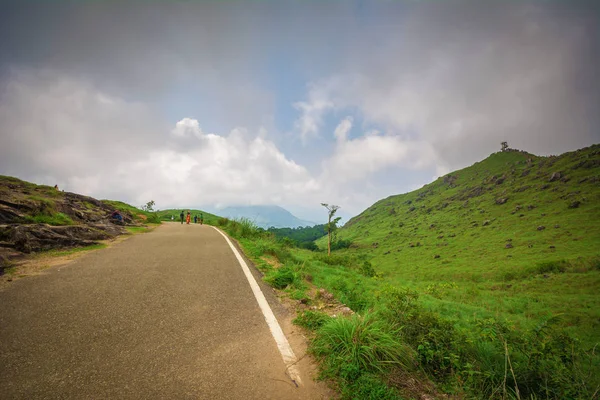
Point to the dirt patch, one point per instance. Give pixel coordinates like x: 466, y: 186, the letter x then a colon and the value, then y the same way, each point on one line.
x: 271, y: 260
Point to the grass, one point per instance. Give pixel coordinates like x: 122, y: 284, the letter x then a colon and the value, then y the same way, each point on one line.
x: 311, y: 320
x: 50, y: 219
x: 465, y: 281
x: 60, y: 253
x: 137, y: 229
x: 357, y: 351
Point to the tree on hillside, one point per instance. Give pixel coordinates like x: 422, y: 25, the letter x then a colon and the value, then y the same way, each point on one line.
x: 149, y: 206
x: 504, y: 146
x: 331, y: 225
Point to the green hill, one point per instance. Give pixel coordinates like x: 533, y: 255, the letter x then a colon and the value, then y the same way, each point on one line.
x: 515, y: 235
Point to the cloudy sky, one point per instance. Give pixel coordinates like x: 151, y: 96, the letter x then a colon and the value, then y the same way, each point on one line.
x: 289, y: 103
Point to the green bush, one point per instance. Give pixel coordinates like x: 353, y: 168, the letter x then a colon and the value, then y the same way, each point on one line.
x: 351, y: 292
x: 547, y: 362
x: 340, y: 244
x: 312, y: 246
x: 311, y: 319
x: 367, y: 269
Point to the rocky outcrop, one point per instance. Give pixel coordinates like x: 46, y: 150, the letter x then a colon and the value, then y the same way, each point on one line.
x: 37, y: 218
x: 28, y: 238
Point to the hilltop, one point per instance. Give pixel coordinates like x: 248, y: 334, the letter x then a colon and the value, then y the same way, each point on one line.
x: 509, y: 225
x: 36, y: 218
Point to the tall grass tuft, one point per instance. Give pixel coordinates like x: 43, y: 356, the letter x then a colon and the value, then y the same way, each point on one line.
x: 244, y: 228
x: 364, y: 344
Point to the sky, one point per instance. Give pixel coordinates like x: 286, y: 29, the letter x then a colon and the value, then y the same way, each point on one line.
x: 212, y: 104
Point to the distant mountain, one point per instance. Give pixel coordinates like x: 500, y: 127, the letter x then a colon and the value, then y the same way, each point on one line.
x: 265, y: 216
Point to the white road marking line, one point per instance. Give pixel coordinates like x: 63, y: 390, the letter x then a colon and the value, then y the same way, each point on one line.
x: 289, y: 358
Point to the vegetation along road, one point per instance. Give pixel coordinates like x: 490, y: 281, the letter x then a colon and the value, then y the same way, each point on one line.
x: 169, y: 314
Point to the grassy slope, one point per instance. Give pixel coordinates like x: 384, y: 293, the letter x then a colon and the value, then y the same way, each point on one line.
x: 475, y: 276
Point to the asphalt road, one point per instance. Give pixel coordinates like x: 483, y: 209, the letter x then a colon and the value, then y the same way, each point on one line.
x: 163, y: 315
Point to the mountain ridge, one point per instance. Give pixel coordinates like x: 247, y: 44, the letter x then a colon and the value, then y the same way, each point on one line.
x: 265, y: 216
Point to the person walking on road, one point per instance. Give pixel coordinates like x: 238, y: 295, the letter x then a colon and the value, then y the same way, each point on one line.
x: 195, y: 219
x: 187, y: 219
x: 181, y: 216
x: 201, y: 219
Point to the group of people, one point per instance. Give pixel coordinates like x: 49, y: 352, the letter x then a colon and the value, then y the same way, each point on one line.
x: 188, y: 218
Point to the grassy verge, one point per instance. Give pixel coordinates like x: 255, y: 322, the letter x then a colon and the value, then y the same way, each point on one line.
x: 491, y: 339
x: 138, y: 229
x: 60, y: 253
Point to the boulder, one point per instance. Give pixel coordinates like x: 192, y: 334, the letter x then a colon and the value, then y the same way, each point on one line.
x: 555, y: 176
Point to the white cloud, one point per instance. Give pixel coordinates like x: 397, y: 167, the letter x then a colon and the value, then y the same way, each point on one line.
x: 358, y: 158
x: 68, y: 132
x: 312, y: 111
x: 341, y: 131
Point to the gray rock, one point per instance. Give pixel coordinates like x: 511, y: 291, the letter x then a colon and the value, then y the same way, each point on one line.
x: 555, y: 176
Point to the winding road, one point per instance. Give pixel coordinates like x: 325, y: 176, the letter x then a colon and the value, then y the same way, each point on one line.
x: 163, y: 315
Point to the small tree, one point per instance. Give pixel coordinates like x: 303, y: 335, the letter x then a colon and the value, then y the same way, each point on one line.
x: 504, y: 146
x: 331, y: 225
x: 149, y: 206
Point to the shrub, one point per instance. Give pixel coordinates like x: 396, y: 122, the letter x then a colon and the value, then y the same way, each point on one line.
x: 351, y: 292
x: 312, y: 246
x: 311, y: 319
x: 367, y: 269
x: 436, y: 340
